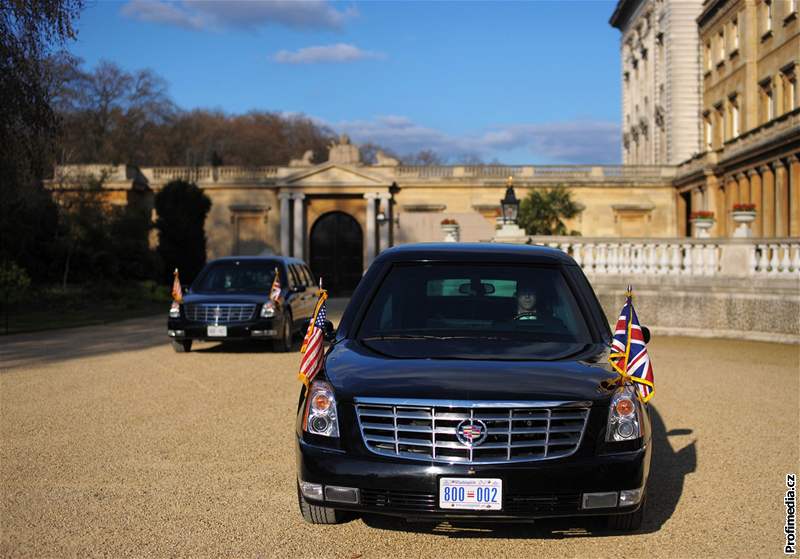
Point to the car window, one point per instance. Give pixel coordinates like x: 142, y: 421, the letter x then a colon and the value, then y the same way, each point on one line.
x: 295, y: 279
x: 506, y: 301
x: 237, y: 276
x: 309, y: 276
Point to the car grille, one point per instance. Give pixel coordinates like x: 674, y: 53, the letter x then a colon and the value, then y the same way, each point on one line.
x: 219, y: 314
x: 516, y: 432
x: 413, y: 502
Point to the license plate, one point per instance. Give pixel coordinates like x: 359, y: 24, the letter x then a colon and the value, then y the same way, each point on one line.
x: 218, y: 331
x: 470, y: 493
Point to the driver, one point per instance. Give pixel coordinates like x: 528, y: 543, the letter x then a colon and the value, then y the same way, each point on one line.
x: 526, y: 302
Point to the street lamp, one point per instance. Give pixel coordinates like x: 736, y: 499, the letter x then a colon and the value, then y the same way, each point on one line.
x: 510, y: 204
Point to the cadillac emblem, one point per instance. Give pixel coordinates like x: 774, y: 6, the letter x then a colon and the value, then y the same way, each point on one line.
x: 217, y: 313
x: 471, y: 432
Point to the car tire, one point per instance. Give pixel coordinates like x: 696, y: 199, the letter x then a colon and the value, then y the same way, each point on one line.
x: 284, y: 342
x: 315, y: 514
x: 182, y: 346
x: 628, y: 522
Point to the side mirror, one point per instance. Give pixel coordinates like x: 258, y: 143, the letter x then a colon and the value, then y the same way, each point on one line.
x: 329, y: 332
x: 646, y: 334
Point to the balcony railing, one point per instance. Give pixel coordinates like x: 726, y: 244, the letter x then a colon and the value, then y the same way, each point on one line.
x: 682, y: 257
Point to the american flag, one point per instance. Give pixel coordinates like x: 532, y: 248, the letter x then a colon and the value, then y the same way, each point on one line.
x: 312, y: 350
x: 628, y: 351
x: 177, y: 292
x: 275, y: 290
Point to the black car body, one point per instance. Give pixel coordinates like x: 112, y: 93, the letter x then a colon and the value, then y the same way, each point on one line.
x: 394, y: 418
x: 229, y: 301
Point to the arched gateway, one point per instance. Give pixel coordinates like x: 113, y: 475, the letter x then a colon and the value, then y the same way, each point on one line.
x: 336, y: 252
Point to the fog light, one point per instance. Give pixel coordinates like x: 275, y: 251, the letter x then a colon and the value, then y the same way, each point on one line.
x: 176, y: 333
x: 263, y: 332
x: 626, y: 429
x: 311, y: 490
x: 600, y: 500
x: 319, y: 423
x: 341, y: 494
x: 629, y: 497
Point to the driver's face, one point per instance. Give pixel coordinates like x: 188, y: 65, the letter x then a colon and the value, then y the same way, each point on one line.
x: 526, y: 300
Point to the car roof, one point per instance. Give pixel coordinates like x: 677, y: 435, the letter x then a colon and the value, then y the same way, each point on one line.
x: 264, y: 258
x: 476, y: 252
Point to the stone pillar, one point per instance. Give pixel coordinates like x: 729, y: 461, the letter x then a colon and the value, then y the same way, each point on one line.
x: 781, y: 199
x: 744, y: 188
x: 680, y: 203
x: 755, y: 198
x: 299, y: 225
x: 286, y: 219
x: 383, y: 228
x: 731, y: 198
x: 794, y: 195
x: 768, y: 199
x: 714, y: 203
x: 370, y: 233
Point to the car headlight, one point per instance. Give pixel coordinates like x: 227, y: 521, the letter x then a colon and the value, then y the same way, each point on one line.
x: 175, y: 310
x: 623, y: 417
x: 320, y: 416
x: 268, y: 309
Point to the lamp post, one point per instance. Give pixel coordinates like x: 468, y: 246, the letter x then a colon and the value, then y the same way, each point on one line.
x: 510, y: 204
x: 509, y: 231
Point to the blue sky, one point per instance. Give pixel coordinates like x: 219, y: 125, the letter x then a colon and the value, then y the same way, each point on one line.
x: 520, y: 82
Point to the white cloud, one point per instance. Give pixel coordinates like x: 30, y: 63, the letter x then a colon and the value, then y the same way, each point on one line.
x: 247, y: 14
x: 579, y: 141
x: 339, y: 52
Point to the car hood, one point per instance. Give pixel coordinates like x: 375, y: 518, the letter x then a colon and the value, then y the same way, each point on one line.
x: 223, y: 298
x: 356, y: 369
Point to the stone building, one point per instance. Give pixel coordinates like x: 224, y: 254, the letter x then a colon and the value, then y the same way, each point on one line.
x: 750, y: 118
x: 660, y: 70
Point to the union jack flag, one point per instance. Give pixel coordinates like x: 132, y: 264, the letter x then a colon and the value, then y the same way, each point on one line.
x: 312, y: 348
x: 275, y: 290
x: 628, y: 351
x: 177, y: 292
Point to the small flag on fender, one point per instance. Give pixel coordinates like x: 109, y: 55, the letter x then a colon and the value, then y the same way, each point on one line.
x: 177, y: 292
x: 629, y: 353
x: 312, y: 349
x: 275, y: 290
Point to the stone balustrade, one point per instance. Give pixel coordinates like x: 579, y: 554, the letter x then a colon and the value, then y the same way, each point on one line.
x: 681, y: 257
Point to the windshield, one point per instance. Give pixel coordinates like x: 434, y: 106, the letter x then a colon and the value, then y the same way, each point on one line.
x: 238, y: 276
x: 507, y: 304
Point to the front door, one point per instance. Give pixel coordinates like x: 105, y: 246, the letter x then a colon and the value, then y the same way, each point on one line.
x: 337, y: 246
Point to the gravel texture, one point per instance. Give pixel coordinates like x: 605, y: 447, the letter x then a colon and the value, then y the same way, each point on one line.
x: 114, y: 445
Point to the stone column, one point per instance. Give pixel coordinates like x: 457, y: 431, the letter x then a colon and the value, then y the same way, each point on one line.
x: 781, y: 199
x: 744, y: 188
x: 370, y: 233
x: 299, y: 226
x: 286, y: 219
x: 383, y: 228
x: 768, y: 199
x: 794, y: 195
x: 714, y: 203
x: 755, y: 198
x: 731, y: 198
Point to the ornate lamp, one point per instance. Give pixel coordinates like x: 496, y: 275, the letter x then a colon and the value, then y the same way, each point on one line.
x: 510, y: 204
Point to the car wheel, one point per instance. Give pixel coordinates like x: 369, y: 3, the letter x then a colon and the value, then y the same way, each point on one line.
x: 628, y: 522
x: 315, y: 514
x: 284, y: 342
x: 182, y: 346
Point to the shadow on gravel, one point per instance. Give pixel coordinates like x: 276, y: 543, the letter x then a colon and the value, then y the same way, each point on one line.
x: 665, y: 486
x: 52, y: 346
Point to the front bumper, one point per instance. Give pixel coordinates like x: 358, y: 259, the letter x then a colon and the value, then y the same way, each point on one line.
x: 258, y: 329
x: 410, y: 489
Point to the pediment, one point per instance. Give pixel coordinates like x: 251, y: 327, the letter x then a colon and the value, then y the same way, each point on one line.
x: 330, y: 174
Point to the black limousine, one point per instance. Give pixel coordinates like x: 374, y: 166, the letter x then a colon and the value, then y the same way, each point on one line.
x: 471, y: 381
x: 229, y: 301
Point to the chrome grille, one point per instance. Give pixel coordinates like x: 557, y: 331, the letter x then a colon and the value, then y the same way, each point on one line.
x: 219, y: 314
x: 426, y: 429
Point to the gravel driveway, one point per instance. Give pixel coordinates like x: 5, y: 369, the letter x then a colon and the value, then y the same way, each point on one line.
x: 114, y: 445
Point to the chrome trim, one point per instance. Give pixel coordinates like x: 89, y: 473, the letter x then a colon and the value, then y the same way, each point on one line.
x: 219, y: 313
x: 473, y: 403
x: 423, y: 433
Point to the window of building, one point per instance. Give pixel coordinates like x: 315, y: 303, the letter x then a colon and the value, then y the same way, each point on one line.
x: 789, y: 78
x: 733, y: 103
x: 709, y: 61
x: 791, y: 8
x: 708, y: 131
x: 721, y: 45
x: 719, y: 123
x: 767, y: 108
x: 735, y: 34
x: 766, y: 17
